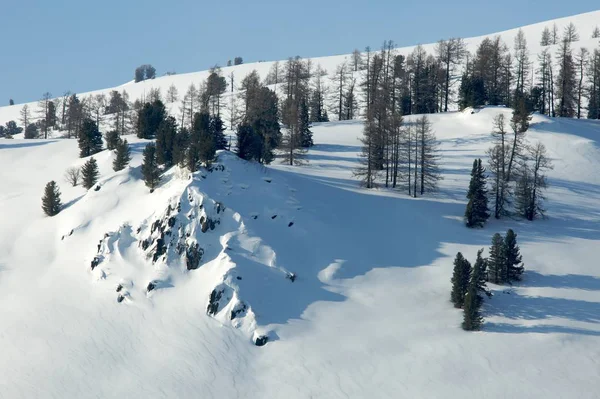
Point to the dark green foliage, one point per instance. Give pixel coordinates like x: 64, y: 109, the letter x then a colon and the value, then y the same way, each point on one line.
x: 477, y: 212
x: 89, y: 138
x: 123, y: 155
x: 217, y: 130
x: 149, y: 119
x: 2, y: 131
x: 497, y: 270
x: 150, y: 169
x: 51, y: 199
x: 262, y: 116
x: 11, y: 102
x: 144, y: 72
x: 238, y: 61
x: 460, y: 280
x: 248, y: 143
x: 180, y: 146
x: 202, y: 141
x: 165, y: 141
x: 90, y: 173
x: 31, y: 131
x: 306, y: 139
x: 112, y: 139
x: 512, y: 257
x: 51, y: 118
x: 471, y: 92
x: 472, y: 316
x: 12, y: 128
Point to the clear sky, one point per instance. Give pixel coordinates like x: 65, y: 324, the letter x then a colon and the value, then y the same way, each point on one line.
x: 85, y: 45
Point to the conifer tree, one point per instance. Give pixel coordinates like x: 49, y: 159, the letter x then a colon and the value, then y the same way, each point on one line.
x: 306, y: 139
x: 497, y: 271
x: 472, y: 317
x: 89, y: 138
x: 112, y: 140
x: 217, y: 131
x: 90, y: 173
x: 512, y: 257
x: 477, y: 212
x: 51, y: 199
x: 180, y: 147
x: 165, y: 140
x: 460, y: 280
x: 123, y: 156
x: 150, y: 170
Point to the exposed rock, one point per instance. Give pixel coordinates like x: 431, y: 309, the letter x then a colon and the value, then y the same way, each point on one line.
x: 193, y: 256
x: 290, y: 224
x: 213, y: 301
x: 291, y: 277
x: 151, y: 286
x: 95, y: 262
x: 119, y: 288
x: 120, y: 298
x: 261, y: 340
x: 239, y: 308
x: 273, y: 217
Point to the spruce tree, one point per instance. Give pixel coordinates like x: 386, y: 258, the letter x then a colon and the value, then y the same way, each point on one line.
x: 477, y: 212
x: 460, y: 280
x: 248, y: 143
x: 123, y: 156
x: 512, y: 257
x: 497, y: 271
x: 150, y: 169
x: 90, y: 173
x: 51, y: 199
x: 472, y: 317
x: 180, y: 147
x: 217, y: 130
x: 89, y: 139
x: 165, y: 141
x: 112, y: 140
x: 306, y: 139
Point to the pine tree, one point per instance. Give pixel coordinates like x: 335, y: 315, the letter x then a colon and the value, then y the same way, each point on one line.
x: 112, y: 140
x: 217, y: 131
x: 306, y: 139
x: 51, y: 199
x: 150, y: 170
x: 477, y: 212
x: 90, y: 173
x: 180, y: 147
x: 123, y: 156
x: 472, y: 317
x: 89, y: 138
x: 497, y: 272
x: 248, y: 143
x: 460, y: 280
x: 165, y: 140
x: 512, y: 257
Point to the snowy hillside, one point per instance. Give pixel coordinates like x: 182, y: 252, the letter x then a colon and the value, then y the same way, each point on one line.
x: 249, y: 281
x: 368, y: 311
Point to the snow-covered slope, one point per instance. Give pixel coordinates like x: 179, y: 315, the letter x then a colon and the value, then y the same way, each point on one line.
x: 366, y: 315
x: 585, y: 24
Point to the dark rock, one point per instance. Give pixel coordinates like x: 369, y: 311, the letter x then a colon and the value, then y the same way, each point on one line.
x: 220, y: 207
x: 291, y: 277
x: 95, y: 262
x: 97, y: 188
x: 71, y: 233
x: 261, y: 340
x: 151, y: 286
x: 145, y: 244
x: 161, y: 249
x: 172, y: 221
x: 238, y: 277
x: 290, y: 224
x: 119, y: 288
x: 193, y: 256
x: 240, y: 308
x: 273, y: 217
x: 120, y: 298
x: 254, y: 217
x: 213, y: 302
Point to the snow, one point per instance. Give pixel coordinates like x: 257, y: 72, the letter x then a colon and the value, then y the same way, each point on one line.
x: 368, y: 314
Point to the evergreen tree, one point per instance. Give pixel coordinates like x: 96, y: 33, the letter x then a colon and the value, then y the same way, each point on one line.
x: 89, y: 139
x: 512, y: 257
x: 11, y: 128
x: 306, y: 139
x: 51, y: 199
x: 566, y: 83
x: 217, y: 131
x: 477, y: 212
x: 248, y: 143
x: 12, y: 102
x: 165, y: 141
x: 460, y: 280
x: 497, y: 271
x: 90, y: 173
x: 150, y: 170
x: 180, y: 147
x: 149, y: 119
x: 123, y: 156
x: 472, y: 304
x: 112, y: 140
x: 31, y: 131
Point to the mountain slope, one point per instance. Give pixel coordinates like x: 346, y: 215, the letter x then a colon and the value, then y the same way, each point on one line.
x: 368, y: 311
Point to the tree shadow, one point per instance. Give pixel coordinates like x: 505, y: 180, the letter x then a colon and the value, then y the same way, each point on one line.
x: 25, y: 143
x: 72, y: 202
x: 575, y: 281
x: 505, y: 328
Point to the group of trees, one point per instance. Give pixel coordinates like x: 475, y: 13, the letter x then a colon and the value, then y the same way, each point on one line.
x: 495, y: 75
x: 504, y: 265
x: 144, y: 72
x: 517, y: 171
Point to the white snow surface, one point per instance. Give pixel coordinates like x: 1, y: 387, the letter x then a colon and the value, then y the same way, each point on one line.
x: 368, y: 314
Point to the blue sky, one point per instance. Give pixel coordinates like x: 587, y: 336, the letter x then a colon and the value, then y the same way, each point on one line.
x: 84, y: 45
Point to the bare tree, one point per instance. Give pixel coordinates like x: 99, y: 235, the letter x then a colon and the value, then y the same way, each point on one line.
x: 44, y: 112
x: 546, y: 39
x: 356, y: 60
x: 498, y: 159
x: 25, y: 116
x: 450, y: 54
x: 555, y: 35
x: 596, y: 33
x: 571, y: 34
x: 172, y: 94
x: 72, y: 176
x: 532, y: 183
x: 522, y: 63
x: 581, y: 60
